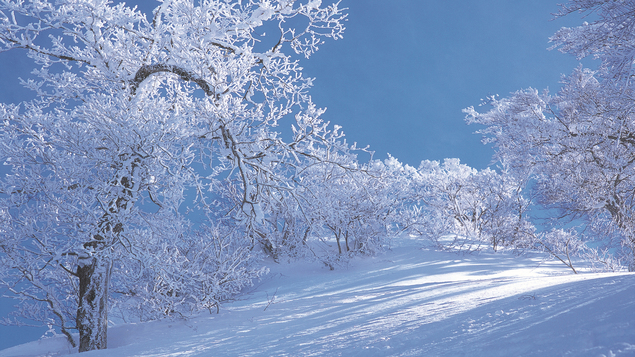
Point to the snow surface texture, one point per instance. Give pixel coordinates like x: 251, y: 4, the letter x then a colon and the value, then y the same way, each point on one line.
x: 407, y: 302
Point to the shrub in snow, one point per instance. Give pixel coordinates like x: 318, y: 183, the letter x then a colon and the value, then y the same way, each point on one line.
x: 461, y: 208
x: 348, y: 213
x: 560, y: 244
x: 601, y: 260
x: 202, y: 270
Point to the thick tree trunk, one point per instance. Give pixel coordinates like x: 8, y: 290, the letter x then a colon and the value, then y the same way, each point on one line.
x: 92, y: 312
x: 94, y: 272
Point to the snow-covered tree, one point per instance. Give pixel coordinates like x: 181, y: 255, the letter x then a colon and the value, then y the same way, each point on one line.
x: 459, y: 207
x: 138, y: 123
x: 355, y: 208
x: 577, y: 148
x: 609, y: 38
x: 347, y: 213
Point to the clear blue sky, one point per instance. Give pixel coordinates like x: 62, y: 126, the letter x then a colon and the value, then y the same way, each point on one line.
x: 402, y: 74
x: 406, y: 68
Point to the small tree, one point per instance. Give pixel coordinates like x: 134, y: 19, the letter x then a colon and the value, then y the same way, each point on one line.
x: 138, y: 122
x: 354, y: 207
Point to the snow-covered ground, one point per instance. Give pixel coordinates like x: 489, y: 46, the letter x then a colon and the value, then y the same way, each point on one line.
x: 406, y: 302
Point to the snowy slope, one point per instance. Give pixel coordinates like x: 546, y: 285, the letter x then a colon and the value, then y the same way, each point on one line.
x: 407, y: 302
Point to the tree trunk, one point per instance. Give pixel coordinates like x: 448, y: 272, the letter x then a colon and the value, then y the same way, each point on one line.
x: 92, y: 312
x: 94, y: 272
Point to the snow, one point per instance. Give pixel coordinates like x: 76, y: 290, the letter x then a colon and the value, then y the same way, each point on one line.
x: 410, y: 301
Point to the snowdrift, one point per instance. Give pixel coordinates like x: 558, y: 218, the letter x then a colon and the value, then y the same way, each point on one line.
x: 407, y: 302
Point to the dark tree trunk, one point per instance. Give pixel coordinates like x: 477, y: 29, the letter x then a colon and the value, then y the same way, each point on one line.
x: 94, y: 271
x: 92, y: 312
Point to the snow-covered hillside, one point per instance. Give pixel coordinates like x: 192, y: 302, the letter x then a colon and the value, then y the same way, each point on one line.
x: 406, y: 302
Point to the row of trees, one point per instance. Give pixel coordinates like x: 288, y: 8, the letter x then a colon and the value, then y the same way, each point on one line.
x: 148, y: 177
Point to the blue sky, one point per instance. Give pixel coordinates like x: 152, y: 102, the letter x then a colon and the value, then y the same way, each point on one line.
x: 404, y: 71
x: 406, y: 68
